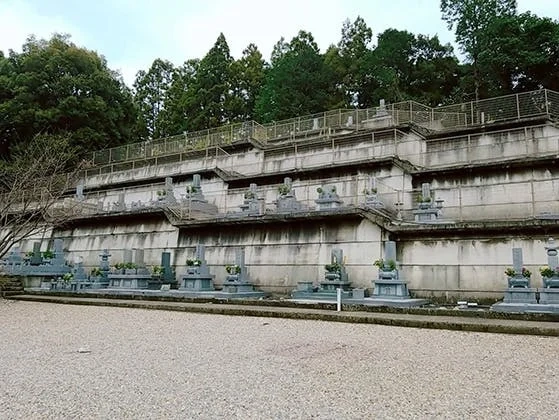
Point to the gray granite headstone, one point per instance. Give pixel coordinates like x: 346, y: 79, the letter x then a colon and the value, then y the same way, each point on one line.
x: 139, y: 258
x: 552, y: 258
x: 517, y: 262
x: 58, y: 259
x: 120, y: 204
x: 14, y: 257
x: 381, y: 110
x: 426, y: 190
x: 79, y: 191
x: 252, y: 204
x: 240, y: 261
x: 196, y: 181
x: 328, y: 198
x: 286, y: 201
x: 127, y: 256
x: 167, y: 269
x: 104, y: 264
x: 337, y: 256
x: 36, y: 258
x: 389, y: 284
x: 389, y: 253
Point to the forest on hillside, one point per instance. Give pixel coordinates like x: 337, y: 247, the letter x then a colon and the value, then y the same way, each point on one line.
x: 55, y: 88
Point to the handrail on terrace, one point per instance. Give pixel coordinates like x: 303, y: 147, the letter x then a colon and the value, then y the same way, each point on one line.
x: 505, y: 108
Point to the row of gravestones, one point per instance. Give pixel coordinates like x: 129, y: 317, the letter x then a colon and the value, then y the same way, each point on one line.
x: 428, y: 210
x: 197, y: 276
x: 519, y: 289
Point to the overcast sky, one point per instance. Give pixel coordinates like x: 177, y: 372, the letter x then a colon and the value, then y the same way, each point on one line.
x: 132, y: 33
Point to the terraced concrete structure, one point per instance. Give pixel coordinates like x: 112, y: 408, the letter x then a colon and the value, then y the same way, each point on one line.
x: 490, y: 166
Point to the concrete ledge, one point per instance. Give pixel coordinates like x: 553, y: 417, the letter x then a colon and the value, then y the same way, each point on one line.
x: 457, y: 323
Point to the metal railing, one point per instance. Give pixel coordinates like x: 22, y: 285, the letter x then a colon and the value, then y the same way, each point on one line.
x: 505, y: 108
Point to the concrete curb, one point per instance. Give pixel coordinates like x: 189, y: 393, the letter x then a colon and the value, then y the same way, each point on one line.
x: 455, y: 323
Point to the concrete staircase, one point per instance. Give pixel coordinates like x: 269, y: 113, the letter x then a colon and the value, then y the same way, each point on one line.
x: 10, y: 286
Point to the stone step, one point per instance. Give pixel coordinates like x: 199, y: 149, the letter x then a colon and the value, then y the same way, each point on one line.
x: 10, y: 286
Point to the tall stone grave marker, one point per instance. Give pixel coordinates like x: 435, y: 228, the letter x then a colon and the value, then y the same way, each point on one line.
x: 519, y: 290
x: 388, y: 284
x: 286, y: 201
x: 550, y: 292
x: 197, y: 276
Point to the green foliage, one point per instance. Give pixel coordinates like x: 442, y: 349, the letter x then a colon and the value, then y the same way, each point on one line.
x: 67, y: 277
x: 247, y: 76
x: 48, y: 254
x: 150, y: 95
x: 470, y: 20
x: 333, y: 268
x: 193, y: 262
x: 520, y: 53
x: 284, y: 189
x: 211, y: 90
x: 390, y: 264
x: 548, y: 272
x: 233, y: 269
x: 157, y: 270
x: 298, y: 83
x: 96, y: 272
x: 55, y: 87
x: 510, y: 272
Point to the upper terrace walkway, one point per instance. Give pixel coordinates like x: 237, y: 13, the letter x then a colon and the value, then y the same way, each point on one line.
x: 540, y: 103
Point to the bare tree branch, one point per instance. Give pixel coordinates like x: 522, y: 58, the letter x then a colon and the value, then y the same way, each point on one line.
x: 32, y: 184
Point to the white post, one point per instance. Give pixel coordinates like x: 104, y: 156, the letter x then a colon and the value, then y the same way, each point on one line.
x: 339, y: 299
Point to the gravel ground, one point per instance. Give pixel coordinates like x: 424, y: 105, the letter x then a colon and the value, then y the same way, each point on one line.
x: 63, y: 361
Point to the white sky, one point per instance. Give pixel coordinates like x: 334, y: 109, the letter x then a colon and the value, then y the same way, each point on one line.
x: 133, y: 33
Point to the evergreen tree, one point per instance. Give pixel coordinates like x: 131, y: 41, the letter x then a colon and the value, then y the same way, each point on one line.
x: 470, y: 19
x: 151, y: 89
x: 298, y: 83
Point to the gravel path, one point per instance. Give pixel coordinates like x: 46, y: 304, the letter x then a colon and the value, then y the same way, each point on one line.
x: 63, y: 361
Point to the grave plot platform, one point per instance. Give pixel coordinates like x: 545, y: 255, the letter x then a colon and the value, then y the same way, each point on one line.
x: 347, y: 299
x: 218, y: 294
x: 161, y: 293
x: 525, y: 308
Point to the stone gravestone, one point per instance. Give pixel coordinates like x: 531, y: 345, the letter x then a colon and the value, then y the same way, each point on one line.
x: 79, y: 192
x: 237, y: 278
x: 336, y: 276
x: 427, y: 211
x: 168, y: 275
x: 120, y: 204
x: 194, y: 191
x: 328, y: 198
x: 58, y: 259
x: 519, y: 290
x: 101, y: 281
x: 252, y: 204
x: 197, y: 276
x: 389, y: 285
x: 286, y: 201
x: 371, y: 195
x: 166, y: 195
x: 36, y: 258
x: 381, y: 117
x: 196, y: 204
x: 127, y: 256
x: 550, y: 292
x: 14, y: 262
x: 381, y: 109
x: 130, y: 278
